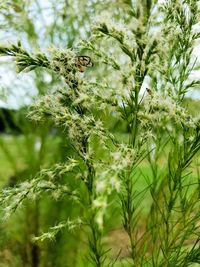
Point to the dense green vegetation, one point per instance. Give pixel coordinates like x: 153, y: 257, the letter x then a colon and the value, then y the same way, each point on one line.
x: 100, y: 158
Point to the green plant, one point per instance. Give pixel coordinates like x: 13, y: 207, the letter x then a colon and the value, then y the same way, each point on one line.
x: 160, y: 134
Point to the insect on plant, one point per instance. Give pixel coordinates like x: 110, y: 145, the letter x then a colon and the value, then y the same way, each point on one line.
x: 149, y: 91
x: 82, y: 62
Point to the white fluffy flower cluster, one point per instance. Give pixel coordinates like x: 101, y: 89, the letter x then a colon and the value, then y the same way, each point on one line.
x: 162, y: 111
x: 122, y: 158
